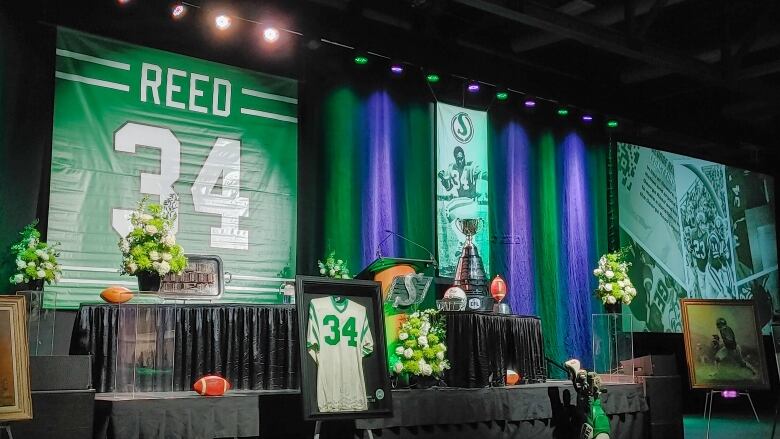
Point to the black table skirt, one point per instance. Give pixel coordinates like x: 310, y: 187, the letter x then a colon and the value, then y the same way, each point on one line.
x: 481, y: 346
x: 534, y: 410
x: 255, y: 347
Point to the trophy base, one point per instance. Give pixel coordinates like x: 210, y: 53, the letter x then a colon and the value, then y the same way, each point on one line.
x: 501, y: 308
x: 479, y: 302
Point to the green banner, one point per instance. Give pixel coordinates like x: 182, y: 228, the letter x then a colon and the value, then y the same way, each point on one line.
x: 132, y: 121
x: 461, y: 188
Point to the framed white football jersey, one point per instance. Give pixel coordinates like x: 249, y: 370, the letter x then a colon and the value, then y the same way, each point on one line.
x: 338, y: 337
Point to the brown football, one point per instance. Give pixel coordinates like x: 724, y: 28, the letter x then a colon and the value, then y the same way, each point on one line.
x: 116, y: 294
x: 211, y: 385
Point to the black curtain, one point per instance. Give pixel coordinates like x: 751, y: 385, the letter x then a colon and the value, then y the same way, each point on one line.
x: 26, y: 107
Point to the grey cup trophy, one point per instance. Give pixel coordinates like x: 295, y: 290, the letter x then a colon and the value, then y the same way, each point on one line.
x: 470, y: 272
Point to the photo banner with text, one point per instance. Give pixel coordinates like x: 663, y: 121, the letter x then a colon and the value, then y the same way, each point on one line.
x: 695, y: 229
x: 131, y: 121
x: 461, y: 183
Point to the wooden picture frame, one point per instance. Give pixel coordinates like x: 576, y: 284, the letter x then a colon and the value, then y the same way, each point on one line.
x: 15, y: 398
x: 342, y: 341
x: 724, y: 347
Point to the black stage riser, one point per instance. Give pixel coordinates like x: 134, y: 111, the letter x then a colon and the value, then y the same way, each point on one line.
x: 60, y: 372
x: 60, y: 414
x: 665, y: 406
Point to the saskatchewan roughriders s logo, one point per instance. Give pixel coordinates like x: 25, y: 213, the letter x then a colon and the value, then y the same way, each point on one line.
x: 462, y: 128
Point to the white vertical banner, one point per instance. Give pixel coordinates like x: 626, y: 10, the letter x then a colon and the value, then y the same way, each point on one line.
x: 461, y: 182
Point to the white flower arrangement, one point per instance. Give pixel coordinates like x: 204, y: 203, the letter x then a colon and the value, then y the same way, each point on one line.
x: 420, y: 349
x: 151, y: 246
x: 334, y: 268
x: 614, y: 284
x: 35, y: 260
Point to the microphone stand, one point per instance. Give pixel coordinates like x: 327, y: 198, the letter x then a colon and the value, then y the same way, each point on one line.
x: 391, y: 233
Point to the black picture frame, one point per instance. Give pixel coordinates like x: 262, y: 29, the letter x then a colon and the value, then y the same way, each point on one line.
x: 376, y: 377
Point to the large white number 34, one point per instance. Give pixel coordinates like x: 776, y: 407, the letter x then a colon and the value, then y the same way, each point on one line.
x: 223, y: 160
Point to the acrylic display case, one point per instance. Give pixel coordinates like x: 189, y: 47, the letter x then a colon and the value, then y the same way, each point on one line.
x: 145, y: 347
x: 613, y: 345
x: 40, y: 321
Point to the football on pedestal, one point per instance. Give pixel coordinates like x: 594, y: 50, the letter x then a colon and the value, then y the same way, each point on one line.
x: 116, y: 294
x: 211, y: 385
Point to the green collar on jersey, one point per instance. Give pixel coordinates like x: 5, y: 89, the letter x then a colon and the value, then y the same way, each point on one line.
x: 339, y: 302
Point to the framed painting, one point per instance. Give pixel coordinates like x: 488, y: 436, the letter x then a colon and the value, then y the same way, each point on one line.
x: 723, y: 345
x: 344, y: 372
x: 15, y: 399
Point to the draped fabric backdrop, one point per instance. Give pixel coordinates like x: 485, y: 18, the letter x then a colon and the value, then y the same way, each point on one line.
x: 549, y: 213
x: 548, y: 187
x: 377, y: 175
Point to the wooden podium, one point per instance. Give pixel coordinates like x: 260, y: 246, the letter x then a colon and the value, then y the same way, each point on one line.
x: 385, y: 271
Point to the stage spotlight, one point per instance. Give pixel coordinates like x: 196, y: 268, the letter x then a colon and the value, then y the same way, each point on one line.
x: 563, y: 112
x: 587, y: 118
x: 222, y: 22
x: 473, y: 87
x: 502, y: 95
x: 360, y: 59
x: 271, y: 34
x: 397, y: 68
x: 612, y: 123
x: 123, y: 2
x: 432, y: 78
x: 178, y: 10
x: 529, y: 103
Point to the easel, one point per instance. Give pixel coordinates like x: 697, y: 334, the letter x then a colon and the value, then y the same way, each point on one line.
x: 774, y: 423
x: 710, y: 398
x: 318, y: 426
x: 776, y: 343
x: 7, y: 428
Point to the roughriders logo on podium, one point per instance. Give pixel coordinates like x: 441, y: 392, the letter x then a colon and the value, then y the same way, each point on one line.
x: 131, y: 121
x: 461, y: 182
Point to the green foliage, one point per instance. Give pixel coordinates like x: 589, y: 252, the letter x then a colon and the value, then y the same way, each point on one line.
x: 151, y: 245
x: 420, y: 348
x: 35, y: 259
x: 614, y: 283
x: 333, y: 268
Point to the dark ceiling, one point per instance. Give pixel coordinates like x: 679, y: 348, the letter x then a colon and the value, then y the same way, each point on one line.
x: 698, y: 76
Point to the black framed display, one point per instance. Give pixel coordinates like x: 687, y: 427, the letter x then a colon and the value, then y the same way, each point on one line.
x: 344, y: 371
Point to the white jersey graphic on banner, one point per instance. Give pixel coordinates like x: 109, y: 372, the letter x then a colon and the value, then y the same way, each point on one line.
x: 338, y: 337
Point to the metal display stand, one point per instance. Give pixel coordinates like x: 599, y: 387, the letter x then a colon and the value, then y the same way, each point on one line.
x: 776, y: 344
x: 710, y: 398
x: 7, y: 428
x: 318, y: 427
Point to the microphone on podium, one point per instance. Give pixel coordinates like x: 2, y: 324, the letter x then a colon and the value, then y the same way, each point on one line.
x: 391, y: 233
